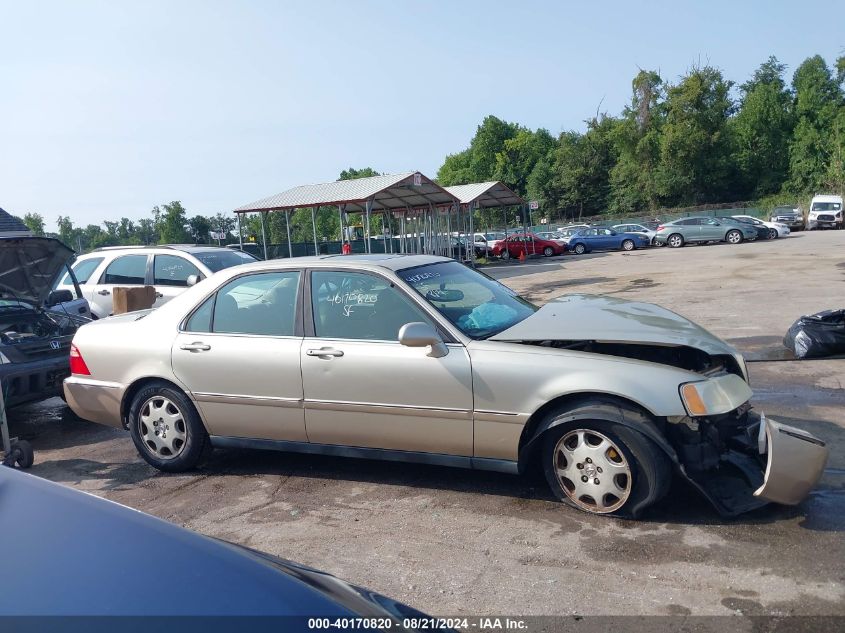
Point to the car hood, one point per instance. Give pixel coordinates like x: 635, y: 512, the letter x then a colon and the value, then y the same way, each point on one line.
x: 29, y: 266
x: 582, y: 317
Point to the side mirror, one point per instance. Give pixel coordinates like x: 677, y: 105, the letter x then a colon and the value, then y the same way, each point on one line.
x: 59, y: 296
x: 192, y: 280
x: 420, y: 334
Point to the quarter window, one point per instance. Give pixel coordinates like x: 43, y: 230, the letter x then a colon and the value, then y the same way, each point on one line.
x: 262, y: 304
x: 172, y: 270
x: 128, y: 270
x: 360, y: 306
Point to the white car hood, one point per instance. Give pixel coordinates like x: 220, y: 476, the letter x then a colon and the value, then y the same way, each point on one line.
x: 582, y: 317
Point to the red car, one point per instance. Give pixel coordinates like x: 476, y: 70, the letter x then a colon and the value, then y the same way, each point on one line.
x: 527, y: 243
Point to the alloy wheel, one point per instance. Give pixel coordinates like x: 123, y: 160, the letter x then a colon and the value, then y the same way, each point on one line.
x: 162, y: 427
x: 734, y: 237
x: 592, y: 471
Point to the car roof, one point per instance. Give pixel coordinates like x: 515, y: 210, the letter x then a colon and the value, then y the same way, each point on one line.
x: 187, y: 248
x: 389, y: 261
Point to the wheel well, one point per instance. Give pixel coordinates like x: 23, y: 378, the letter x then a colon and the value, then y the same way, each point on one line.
x: 570, y: 401
x: 135, y: 387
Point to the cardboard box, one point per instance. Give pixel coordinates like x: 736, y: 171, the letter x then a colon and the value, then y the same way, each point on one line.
x: 132, y: 299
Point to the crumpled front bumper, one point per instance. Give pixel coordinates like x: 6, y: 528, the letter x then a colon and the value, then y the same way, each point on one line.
x: 795, y: 461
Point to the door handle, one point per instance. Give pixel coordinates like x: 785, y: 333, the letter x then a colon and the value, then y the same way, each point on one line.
x: 324, y: 351
x: 197, y: 346
x: 103, y: 292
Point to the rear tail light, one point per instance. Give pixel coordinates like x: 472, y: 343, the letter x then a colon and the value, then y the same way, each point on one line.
x: 77, y: 363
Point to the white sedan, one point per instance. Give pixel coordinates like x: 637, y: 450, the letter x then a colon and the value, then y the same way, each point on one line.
x: 776, y: 229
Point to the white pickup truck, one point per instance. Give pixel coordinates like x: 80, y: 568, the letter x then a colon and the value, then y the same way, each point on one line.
x: 826, y: 213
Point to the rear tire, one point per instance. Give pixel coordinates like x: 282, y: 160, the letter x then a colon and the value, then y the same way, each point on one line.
x: 676, y: 240
x: 636, y: 472
x: 505, y: 254
x: 548, y: 251
x: 166, y: 428
x: 579, y: 249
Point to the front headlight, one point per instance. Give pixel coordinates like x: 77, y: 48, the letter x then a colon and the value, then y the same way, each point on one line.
x: 714, y: 396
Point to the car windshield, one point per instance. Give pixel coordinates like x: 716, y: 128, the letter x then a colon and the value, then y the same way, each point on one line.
x: 826, y: 206
x: 476, y: 304
x: 217, y: 260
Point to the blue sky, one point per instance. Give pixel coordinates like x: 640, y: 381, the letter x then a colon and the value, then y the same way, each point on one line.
x: 108, y: 108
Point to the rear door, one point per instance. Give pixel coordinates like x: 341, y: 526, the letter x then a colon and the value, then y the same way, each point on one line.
x: 125, y: 271
x: 238, y: 354
x: 170, y: 276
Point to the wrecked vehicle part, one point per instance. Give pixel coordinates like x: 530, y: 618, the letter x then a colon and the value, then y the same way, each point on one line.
x: 34, y: 341
x: 680, y: 356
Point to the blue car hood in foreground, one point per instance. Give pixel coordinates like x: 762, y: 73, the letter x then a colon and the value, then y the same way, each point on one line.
x: 583, y: 317
x: 70, y: 553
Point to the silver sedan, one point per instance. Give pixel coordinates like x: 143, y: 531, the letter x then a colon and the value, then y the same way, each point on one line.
x: 422, y: 359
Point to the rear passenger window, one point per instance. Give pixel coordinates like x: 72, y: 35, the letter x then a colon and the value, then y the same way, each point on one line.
x: 172, y: 270
x: 262, y: 304
x: 126, y: 271
x: 200, y: 320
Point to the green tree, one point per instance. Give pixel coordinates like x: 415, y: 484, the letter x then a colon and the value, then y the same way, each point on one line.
x: 634, y: 178
x: 199, y: 227
x: 352, y: 173
x: 171, y: 222
x: 582, y: 168
x: 817, y: 99
x: 762, y: 129
x: 520, y: 154
x: 35, y: 223
x: 478, y: 162
x: 695, y: 148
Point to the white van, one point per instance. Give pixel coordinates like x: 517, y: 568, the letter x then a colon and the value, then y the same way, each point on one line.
x: 826, y: 213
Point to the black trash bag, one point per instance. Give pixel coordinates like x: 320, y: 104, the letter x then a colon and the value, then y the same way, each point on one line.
x: 817, y: 335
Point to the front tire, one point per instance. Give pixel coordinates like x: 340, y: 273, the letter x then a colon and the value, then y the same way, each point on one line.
x: 506, y: 254
x: 733, y: 237
x: 676, y: 240
x: 773, y: 234
x: 628, y: 245
x: 166, y: 428
x: 603, y: 467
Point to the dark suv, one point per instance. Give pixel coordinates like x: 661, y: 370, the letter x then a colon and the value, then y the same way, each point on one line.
x: 789, y: 215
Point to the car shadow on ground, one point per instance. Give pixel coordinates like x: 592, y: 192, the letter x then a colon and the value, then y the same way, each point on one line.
x: 824, y: 510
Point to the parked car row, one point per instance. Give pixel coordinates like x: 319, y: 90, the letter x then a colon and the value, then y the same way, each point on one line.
x: 730, y: 229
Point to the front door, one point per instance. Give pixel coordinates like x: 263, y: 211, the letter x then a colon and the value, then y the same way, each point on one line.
x: 711, y: 229
x: 363, y: 388
x: 239, y: 355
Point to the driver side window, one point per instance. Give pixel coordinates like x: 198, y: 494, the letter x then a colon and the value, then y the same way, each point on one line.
x: 348, y: 305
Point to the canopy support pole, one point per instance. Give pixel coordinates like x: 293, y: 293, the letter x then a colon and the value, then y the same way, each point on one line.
x: 314, y: 228
x: 472, y: 233
x: 287, y: 226
x: 264, y: 233
x: 240, y: 233
x: 367, y: 212
x: 340, y: 211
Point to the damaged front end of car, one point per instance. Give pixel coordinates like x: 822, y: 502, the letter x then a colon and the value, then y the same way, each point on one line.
x: 741, y: 460
x: 738, y: 459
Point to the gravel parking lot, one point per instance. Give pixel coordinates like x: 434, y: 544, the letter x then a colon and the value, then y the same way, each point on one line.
x: 459, y: 542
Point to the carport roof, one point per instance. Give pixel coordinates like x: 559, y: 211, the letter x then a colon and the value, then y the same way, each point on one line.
x: 388, y: 192
x: 486, y: 194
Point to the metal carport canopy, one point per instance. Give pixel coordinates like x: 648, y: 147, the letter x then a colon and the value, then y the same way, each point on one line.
x: 385, y: 193
x: 486, y: 194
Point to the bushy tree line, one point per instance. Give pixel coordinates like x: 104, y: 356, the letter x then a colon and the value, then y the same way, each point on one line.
x: 699, y: 140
